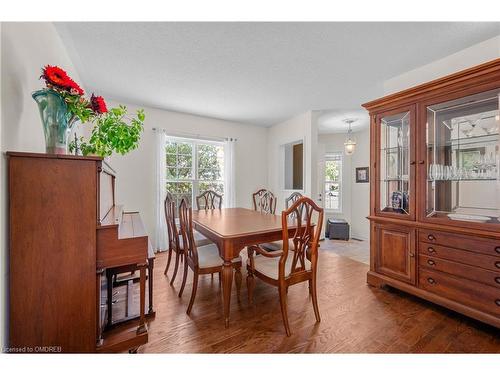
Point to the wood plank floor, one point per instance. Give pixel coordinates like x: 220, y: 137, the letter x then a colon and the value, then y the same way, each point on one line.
x: 356, y: 318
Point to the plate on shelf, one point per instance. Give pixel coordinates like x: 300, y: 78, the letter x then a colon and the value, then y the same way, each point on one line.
x: 473, y: 218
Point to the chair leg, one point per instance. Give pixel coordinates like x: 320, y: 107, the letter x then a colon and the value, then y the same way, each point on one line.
x: 238, y: 278
x: 178, y: 254
x: 282, y: 293
x: 312, y: 287
x: 220, y: 279
x: 168, y: 261
x: 250, y: 285
x: 184, y: 277
x: 193, y: 292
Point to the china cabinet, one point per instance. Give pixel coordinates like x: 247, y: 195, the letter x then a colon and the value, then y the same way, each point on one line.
x: 435, y: 195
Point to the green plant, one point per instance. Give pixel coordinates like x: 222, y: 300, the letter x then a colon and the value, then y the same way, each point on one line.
x: 112, y: 133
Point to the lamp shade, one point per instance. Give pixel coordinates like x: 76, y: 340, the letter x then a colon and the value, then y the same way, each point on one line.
x: 349, y: 146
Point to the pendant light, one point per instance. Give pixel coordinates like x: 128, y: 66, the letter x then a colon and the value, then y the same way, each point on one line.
x: 350, y: 143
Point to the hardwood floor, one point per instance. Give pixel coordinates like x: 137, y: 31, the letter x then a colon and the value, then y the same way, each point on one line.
x: 353, y: 249
x: 356, y: 318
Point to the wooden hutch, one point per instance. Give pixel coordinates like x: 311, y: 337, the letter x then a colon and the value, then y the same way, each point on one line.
x: 435, y: 192
x: 65, y: 233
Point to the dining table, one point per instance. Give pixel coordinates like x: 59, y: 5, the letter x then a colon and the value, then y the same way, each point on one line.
x: 233, y: 229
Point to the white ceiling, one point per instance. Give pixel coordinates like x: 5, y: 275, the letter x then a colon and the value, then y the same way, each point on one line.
x: 332, y: 121
x: 258, y: 73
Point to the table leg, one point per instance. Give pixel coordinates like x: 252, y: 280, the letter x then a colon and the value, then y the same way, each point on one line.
x: 109, y: 300
x: 150, y: 283
x: 227, y: 280
x: 142, y: 320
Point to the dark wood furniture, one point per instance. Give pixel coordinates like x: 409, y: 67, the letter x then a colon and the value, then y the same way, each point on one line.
x: 264, y: 201
x: 208, y: 200
x: 65, y: 231
x: 202, y: 260
x: 453, y: 263
x: 175, y: 244
x: 232, y: 229
x: 290, y: 265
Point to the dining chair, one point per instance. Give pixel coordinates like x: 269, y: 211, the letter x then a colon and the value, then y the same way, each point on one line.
x: 264, y: 201
x: 202, y: 260
x: 278, y: 245
x: 284, y: 268
x: 209, y: 200
x: 174, y: 243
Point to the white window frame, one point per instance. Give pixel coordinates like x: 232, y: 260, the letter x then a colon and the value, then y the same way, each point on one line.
x: 334, y: 156
x: 195, y: 181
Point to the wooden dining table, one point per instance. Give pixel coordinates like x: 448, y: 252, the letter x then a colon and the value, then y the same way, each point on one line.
x: 233, y: 229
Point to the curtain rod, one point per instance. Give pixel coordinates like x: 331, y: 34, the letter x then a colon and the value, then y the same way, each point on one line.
x: 195, y: 136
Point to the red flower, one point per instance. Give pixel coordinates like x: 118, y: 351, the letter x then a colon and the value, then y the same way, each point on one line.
x: 74, y: 88
x: 98, y: 104
x: 54, y: 75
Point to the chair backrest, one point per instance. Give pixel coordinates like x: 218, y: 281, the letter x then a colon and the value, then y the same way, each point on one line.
x: 186, y: 229
x: 264, y: 201
x: 307, y: 216
x: 209, y: 200
x: 291, y: 200
x: 173, y: 234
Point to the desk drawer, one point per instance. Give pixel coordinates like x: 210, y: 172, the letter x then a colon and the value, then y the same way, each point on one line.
x: 471, y: 243
x: 470, y: 293
x: 461, y: 270
x: 456, y: 255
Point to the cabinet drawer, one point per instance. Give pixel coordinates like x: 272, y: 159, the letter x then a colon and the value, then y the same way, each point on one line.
x: 467, y: 257
x: 470, y: 293
x: 461, y: 270
x: 471, y: 243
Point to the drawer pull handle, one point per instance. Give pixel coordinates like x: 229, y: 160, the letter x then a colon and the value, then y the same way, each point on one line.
x: 497, y: 302
x: 497, y: 249
x: 497, y: 279
x: 497, y: 264
x: 431, y: 250
x: 431, y: 280
x: 431, y: 262
x: 431, y: 237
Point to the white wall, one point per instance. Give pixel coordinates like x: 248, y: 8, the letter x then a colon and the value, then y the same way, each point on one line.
x: 301, y: 127
x: 475, y: 55
x: 136, y: 171
x: 355, y: 196
x: 25, y: 49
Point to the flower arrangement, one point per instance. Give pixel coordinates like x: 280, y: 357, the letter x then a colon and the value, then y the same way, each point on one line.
x: 113, y: 131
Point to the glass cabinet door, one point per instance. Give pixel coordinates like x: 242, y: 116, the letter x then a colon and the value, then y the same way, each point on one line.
x: 394, y: 164
x: 462, y: 146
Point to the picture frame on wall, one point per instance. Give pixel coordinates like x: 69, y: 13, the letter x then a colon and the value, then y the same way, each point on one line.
x: 362, y: 174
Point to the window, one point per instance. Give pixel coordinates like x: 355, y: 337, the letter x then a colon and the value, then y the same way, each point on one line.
x: 333, y: 182
x: 194, y: 166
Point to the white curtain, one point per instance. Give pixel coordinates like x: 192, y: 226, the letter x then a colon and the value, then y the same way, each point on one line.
x: 229, y: 173
x: 161, y: 240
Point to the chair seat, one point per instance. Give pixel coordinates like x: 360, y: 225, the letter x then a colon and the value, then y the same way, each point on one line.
x: 270, y: 266
x: 199, y: 239
x: 277, y: 245
x: 208, y: 257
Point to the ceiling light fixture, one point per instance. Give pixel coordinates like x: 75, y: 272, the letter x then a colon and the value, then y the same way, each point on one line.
x: 350, y: 143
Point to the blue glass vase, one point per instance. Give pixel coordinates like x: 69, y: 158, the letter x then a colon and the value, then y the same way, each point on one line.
x: 56, y: 120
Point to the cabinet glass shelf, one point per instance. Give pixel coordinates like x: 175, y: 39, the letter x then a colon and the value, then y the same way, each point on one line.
x: 395, y: 163
x: 463, y: 162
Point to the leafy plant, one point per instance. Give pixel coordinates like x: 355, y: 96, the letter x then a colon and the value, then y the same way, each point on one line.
x: 112, y: 133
